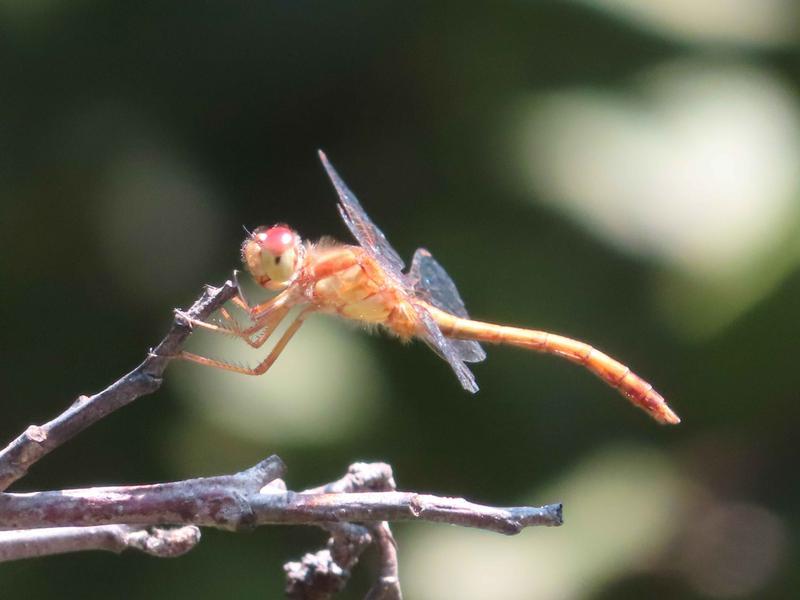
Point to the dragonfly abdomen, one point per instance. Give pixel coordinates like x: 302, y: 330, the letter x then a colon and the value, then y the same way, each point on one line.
x: 613, y: 372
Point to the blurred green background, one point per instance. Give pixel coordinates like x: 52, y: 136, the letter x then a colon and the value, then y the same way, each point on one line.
x: 626, y: 172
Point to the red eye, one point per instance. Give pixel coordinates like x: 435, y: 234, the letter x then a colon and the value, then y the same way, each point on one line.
x: 276, y: 240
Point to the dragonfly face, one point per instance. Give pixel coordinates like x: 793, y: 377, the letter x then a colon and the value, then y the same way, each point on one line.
x: 273, y: 256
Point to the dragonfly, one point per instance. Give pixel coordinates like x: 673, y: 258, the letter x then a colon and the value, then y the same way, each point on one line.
x: 369, y: 283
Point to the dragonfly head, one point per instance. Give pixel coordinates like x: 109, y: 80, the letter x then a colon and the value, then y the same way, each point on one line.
x: 273, y: 256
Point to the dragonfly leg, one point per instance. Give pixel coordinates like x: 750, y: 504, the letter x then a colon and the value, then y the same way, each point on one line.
x: 262, y: 315
x: 229, y: 320
x: 269, y: 324
x: 261, y: 367
x: 253, y: 310
x: 263, y: 327
x: 240, y: 299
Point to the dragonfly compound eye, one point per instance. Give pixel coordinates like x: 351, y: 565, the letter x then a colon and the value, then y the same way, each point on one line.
x: 271, y: 255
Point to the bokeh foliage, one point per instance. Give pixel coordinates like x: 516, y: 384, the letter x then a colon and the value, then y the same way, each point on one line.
x: 136, y: 139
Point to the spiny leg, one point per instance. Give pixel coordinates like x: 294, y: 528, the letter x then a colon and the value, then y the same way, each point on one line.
x: 234, y: 330
x: 255, y: 310
x: 261, y: 367
x: 229, y: 321
x: 264, y: 328
x: 270, y: 323
x: 278, y: 305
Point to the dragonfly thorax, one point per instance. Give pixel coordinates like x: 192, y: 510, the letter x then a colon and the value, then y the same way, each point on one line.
x: 273, y: 256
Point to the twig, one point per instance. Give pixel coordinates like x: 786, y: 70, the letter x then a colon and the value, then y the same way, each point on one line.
x: 226, y: 502
x: 163, y: 543
x: 320, y: 575
x: 244, y: 500
x: 388, y: 585
x: 360, y: 477
x: 38, y: 440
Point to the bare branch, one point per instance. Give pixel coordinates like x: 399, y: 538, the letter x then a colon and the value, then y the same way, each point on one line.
x: 228, y: 507
x: 87, y: 519
x: 225, y: 502
x: 403, y: 506
x: 245, y: 500
x: 360, y: 477
x: 320, y: 575
x: 388, y: 585
x: 38, y: 440
x: 163, y: 543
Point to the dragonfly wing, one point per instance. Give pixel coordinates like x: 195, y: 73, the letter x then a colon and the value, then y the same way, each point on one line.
x: 432, y: 283
x: 469, y: 350
x: 376, y: 245
x: 446, y: 349
x: 361, y: 226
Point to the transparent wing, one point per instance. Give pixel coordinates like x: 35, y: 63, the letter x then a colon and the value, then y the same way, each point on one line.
x: 361, y: 226
x: 375, y: 243
x: 446, y: 349
x: 432, y: 283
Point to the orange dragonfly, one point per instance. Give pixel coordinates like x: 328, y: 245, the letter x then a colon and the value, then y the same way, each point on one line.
x: 367, y: 283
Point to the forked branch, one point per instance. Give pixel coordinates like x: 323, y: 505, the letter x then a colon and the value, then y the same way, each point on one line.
x: 354, y: 510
